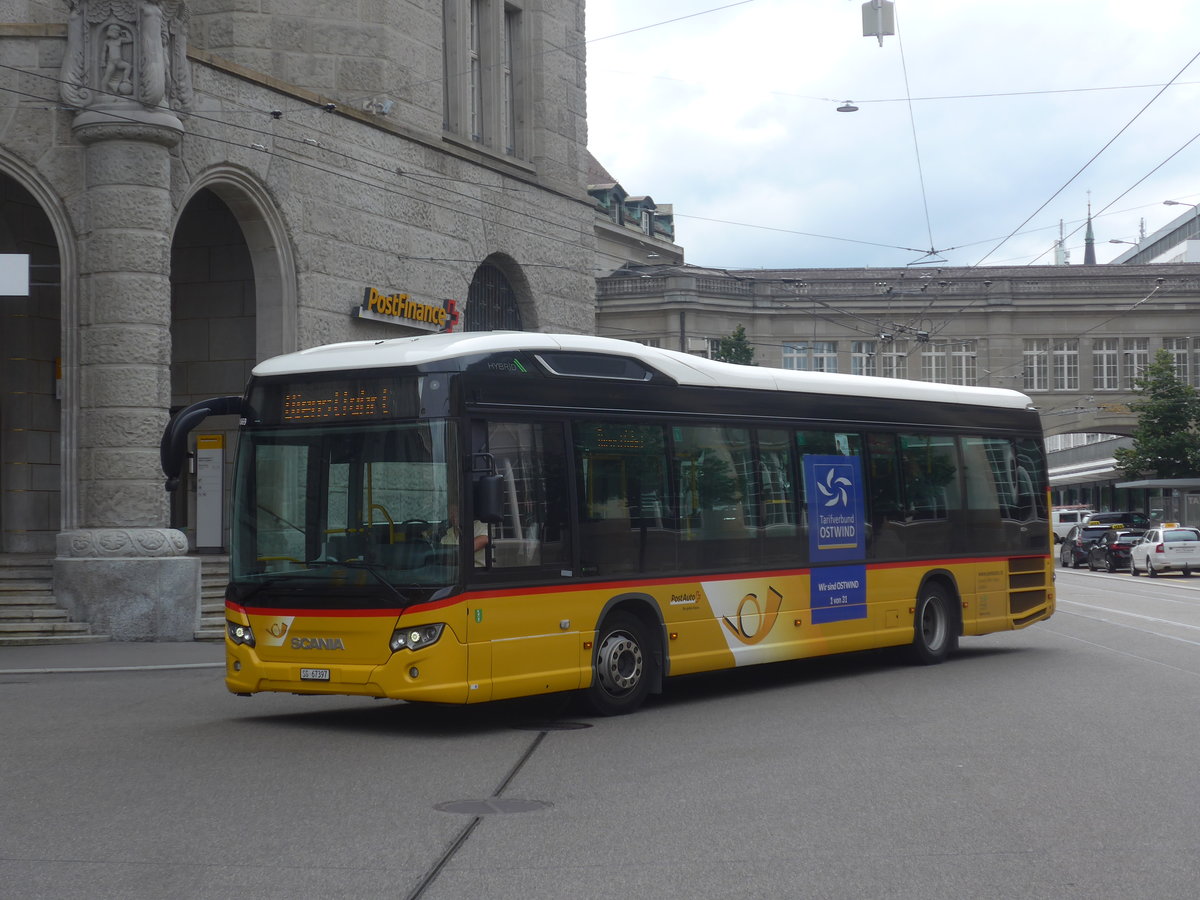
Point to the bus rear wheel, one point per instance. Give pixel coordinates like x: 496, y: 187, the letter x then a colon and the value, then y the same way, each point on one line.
x: 935, y: 635
x: 622, y: 667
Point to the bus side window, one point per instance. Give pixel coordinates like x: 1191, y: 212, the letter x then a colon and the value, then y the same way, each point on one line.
x: 533, y: 530
x: 625, y: 521
x: 885, y: 508
x: 985, y: 461
x: 714, y: 474
x: 930, y: 476
x: 776, y: 509
x: 824, y: 443
x: 932, y: 493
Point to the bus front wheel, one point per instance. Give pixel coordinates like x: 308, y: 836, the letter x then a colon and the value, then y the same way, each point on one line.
x: 622, y: 666
x: 935, y: 635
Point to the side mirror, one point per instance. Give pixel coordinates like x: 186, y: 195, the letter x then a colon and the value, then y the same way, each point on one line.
x: 488, y: 498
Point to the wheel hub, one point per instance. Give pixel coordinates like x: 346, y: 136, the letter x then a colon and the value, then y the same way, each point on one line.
x: 619, y: 663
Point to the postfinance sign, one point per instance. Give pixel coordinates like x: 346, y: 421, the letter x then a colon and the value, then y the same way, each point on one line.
x: 401, y: 309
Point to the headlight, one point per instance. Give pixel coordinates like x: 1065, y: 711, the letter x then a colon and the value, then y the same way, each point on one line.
x: 416, y: 637
x: 240, y: 634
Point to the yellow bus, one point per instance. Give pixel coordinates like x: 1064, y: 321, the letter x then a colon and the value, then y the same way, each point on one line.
x: 460, y: 518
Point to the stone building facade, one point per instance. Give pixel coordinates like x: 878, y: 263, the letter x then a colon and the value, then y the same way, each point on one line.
x: 1072, y: 337
x: 201, y: 185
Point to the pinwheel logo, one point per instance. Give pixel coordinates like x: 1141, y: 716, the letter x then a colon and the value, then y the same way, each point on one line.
x: 833, y: 487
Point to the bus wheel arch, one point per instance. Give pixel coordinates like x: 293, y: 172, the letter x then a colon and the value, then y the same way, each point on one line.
x: 937, y: 619
x: 627, y: 656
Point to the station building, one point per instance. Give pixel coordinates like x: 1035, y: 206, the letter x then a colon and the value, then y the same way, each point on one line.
x: 197, y: 187
x: 1073, y: 338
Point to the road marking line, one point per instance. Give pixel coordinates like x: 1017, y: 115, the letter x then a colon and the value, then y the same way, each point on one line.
x: 1118, y: 612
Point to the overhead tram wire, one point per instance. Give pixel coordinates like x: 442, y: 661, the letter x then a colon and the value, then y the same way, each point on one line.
x: 565, y: 48
x: 932, y: 254
x: 1075, y: 230
x: 1095, y: 156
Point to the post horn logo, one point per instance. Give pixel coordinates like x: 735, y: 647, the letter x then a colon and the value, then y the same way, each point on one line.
x: 278, y: 629
x: 753, y: 623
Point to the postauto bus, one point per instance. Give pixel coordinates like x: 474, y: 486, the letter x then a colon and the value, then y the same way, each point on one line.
x: 461, y: 518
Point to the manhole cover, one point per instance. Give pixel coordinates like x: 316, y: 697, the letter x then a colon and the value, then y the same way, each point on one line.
x: 494, y: 807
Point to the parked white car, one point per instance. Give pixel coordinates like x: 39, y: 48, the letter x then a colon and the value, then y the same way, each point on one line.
x: 1167, y: 548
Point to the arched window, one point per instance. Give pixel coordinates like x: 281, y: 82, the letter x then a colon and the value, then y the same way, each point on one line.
x: 491, y: 302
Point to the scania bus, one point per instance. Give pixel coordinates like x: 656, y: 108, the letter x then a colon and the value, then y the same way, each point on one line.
x: 460, y: 518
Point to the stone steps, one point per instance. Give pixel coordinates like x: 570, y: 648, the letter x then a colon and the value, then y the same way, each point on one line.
x: 28, y: 613
x: 214, y: 576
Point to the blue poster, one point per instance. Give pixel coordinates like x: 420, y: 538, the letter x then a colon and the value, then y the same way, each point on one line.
x: 834, y: 490
x: 838, y: 593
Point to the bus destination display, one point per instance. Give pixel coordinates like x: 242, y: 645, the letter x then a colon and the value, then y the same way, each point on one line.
x: 336, y: 403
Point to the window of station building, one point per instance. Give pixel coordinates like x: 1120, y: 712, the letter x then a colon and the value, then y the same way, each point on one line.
x: 933, y: 363
x: 963, y: 363
x: 1136, y: 353
x: 1036, y: 357
x: 862, y: 358
x: 1064, y: 359
x: 484, y: 83
x: 893, y: 359
x: 814, y: 356
x: 1179, y: 349
x: 1106, y: 369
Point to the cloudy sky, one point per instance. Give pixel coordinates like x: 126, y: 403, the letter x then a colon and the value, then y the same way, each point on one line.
x: 981, y: 125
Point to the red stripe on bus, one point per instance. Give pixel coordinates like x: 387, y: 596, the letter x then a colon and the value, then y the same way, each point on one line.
x: 605, y: 586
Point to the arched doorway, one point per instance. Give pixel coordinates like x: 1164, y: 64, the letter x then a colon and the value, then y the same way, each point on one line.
x: 232, y: 305
x: 492, y: 301
x: 30, y: 380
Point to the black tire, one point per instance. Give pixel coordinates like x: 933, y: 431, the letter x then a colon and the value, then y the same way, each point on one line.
x: 623, y: 666
x: 1075, y: 563
x: 1062, y: 558
x: 1110, y: 566
x: 1150, y: 570
x: 935, y: 626
x: 1133, y: 568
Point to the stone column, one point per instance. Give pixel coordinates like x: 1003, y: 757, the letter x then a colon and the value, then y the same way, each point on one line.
x: 121, y: 569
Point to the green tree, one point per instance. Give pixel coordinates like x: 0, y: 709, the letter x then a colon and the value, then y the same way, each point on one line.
x: 735, y: 348
x: 1165, y: 441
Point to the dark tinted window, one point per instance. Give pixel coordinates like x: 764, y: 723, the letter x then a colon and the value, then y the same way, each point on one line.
x: 626, y: 521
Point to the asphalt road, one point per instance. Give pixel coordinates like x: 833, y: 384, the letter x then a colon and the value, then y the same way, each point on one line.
x: 1055, y: 762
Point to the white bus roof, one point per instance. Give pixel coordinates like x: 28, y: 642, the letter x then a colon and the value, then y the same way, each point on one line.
x: 682, y: 367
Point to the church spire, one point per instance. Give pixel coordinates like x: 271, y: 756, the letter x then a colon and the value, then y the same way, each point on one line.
x: 1089, y: 241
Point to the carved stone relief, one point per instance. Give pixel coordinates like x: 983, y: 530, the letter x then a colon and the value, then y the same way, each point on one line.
x: 126, y: 55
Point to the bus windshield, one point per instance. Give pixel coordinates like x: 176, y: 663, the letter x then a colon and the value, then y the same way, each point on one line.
x: 346, y: 511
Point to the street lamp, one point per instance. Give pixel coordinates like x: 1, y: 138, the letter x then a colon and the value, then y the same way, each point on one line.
x: 1180, y: 203
x: 1118, y: 241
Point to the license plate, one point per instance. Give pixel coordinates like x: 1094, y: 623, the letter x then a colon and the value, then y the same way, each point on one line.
x: 314, y: 674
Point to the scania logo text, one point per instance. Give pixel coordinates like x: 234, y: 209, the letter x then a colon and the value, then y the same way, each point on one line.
x: 317, y: 643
